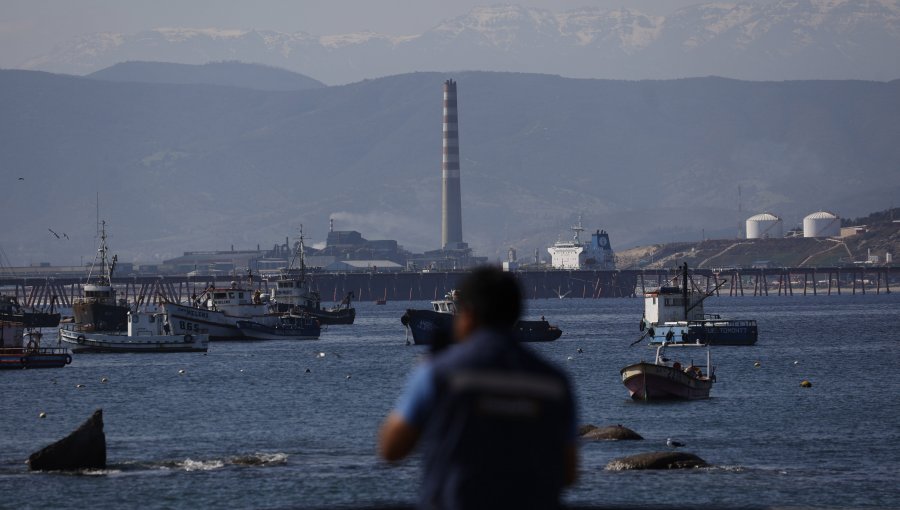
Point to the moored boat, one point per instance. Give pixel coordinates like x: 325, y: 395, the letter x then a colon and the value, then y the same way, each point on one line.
x: 216, y: 312
x: 17, y: 353
x: 293, y: 294
x: 287, y: 327
x: 147, y: 332
x: 98, y: 309
x: 12, y: 311
x: 668, y: 378
x: 675, y: 313
x: 427, y: 326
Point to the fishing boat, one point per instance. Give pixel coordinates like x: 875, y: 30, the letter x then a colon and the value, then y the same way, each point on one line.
x: 670, y: 378
x: 147, y: 332
x: 426, y: 325
x: 217, y: 310
x: 675, y: 313
x: 12, y: 311
x: 18, y: 353
x: 288, y: 327
x: 98, y: 309
x: 293, y: 294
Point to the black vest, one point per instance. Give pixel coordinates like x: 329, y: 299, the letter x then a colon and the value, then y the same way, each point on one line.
x: 501, y: 422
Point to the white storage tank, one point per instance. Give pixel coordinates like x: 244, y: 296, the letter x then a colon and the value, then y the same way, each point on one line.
x: 822, y: 224
x: 764, y: 226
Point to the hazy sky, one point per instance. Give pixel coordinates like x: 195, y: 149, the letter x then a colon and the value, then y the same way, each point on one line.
x: 29, y: 28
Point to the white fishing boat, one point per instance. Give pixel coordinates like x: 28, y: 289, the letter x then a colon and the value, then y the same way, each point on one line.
x: 217, y: 310
x: 147, y: 332
x: 674, y: 313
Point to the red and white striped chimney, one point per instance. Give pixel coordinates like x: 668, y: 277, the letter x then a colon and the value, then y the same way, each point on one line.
x: 451, y: 203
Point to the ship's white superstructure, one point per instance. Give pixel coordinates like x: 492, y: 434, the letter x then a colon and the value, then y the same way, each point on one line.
x: 574, y: 254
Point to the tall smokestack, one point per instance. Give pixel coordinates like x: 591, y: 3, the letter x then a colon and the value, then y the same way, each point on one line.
x: 451, y: 206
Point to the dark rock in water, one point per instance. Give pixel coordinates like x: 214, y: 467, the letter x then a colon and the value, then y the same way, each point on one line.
x: 657, y: 460
x: 610, y: 433
x: 83, y: 449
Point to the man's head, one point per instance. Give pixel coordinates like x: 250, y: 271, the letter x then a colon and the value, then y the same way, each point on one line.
x: 488, y: 298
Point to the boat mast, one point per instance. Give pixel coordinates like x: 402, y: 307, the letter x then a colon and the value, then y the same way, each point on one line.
x: 684, y: 290
x: 106, y: 268
x: 578, y: 229
x: 299, y: 253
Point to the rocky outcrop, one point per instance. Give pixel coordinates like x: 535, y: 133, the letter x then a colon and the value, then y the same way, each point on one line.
x: 657, y: 460
x: 609, y: 433
x: 83, y: 449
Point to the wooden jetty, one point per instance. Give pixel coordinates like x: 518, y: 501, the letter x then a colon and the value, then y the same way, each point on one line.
x: 151, y: 290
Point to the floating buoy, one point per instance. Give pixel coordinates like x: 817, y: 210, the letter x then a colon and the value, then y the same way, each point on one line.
x: 242, y: 370
x: 796, y: 362
x: 348, y: 376
x: 757, y: 364
x: 308, y: 370
x: 570, y: 358
x: 805, y: 384
x: 181, y: 371
x: 104, y: 380
x: 79, y: 386
x: 42, y: 415
x: 321, y: 355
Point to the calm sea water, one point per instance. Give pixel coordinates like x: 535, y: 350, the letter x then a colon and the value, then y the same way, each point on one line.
x: 247, y: 426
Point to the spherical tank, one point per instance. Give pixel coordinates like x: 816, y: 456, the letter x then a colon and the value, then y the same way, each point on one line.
x: 822, y: 224
x: 763, y: 226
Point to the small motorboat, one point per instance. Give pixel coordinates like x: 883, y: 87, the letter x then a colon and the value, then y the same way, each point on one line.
x: 669, y: 378
x: 287, y: 327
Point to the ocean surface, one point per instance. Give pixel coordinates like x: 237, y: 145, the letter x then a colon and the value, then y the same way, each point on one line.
x: 246, y: 426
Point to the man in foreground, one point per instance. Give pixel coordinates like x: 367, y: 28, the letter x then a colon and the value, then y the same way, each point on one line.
x: 497, y: 422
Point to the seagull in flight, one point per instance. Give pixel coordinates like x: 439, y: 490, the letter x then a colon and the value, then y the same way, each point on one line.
x: 673, y: 444
x: 65, y: 235
x: 54, y: 233
x: 21, y: 178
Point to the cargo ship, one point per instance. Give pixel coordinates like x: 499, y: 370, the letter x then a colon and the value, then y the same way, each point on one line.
x: 595, y: 254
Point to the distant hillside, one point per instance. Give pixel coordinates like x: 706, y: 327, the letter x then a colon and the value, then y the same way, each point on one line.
x: 881, y: 237
x: 198, y: 167
x: 232, y: 74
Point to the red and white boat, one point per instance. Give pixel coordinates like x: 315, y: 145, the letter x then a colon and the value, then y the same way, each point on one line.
x: 17, y: 353
x: 670, y: 378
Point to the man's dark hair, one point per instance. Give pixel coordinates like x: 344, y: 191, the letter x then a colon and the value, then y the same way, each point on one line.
x: 493, y: 296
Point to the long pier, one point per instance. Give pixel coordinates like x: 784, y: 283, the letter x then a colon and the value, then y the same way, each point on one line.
x: 63, y: 290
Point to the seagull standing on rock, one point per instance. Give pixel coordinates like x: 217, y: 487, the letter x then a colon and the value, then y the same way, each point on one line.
x: 673, y: 444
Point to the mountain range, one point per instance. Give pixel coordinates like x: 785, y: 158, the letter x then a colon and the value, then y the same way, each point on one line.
x: 203, y: 167
x: 780, y: 40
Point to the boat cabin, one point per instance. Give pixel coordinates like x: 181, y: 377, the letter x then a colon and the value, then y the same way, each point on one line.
x: 147, y: 324
x: 100, y: 293
x: 669, y: 304
x: 444, y: 306
x: 224, y: 299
